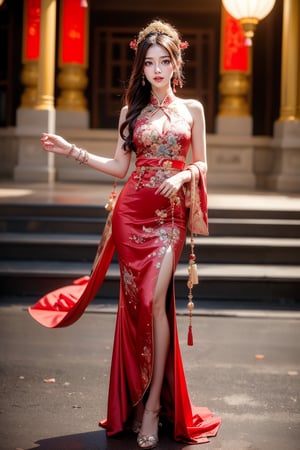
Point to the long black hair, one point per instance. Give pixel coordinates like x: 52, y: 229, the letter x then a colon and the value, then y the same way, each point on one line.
x: 137, y: 95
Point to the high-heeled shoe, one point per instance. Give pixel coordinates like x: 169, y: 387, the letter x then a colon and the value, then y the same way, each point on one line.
x: 148, y: 441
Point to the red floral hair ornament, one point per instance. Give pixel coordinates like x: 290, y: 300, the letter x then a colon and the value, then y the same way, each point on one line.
x: 133, y: 44
x: 184, y: 45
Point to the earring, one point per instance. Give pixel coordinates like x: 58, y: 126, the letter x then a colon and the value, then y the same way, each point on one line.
x: 175, y: 83
x: 143, y: 80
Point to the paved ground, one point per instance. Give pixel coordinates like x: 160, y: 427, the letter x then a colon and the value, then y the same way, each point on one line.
x: 257, y: 396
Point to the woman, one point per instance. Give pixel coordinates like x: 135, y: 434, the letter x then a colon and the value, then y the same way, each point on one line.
x: 148, y: 228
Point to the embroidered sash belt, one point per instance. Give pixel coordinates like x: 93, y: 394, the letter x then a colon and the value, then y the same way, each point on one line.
x: 158, y: 164
x: 149, y: 164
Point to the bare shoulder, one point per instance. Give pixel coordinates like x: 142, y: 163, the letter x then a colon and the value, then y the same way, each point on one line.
x: 194, y: 106
x: 195, y: 110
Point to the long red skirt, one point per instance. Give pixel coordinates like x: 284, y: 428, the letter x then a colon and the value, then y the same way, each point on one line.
x: 145, y: 225
x: 143, y: 228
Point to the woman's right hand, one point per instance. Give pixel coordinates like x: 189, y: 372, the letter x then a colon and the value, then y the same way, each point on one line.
x: 55, y: 144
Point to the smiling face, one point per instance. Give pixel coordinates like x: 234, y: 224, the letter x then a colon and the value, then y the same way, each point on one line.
x: 158, y: 68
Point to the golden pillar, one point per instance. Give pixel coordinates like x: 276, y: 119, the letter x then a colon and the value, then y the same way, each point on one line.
x: 235, y: 79
x: 286, y: 143
x: 45, y: 97
x: 73, y: 40
x: 290, y: 66
x: 234, y: 88
x: 33, y: 164
x: 30, y: 52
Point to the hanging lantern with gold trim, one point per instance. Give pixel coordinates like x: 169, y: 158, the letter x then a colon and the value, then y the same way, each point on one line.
x: 249, y: 13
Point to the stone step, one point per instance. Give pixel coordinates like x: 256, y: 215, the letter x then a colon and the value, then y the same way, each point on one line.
x: 289, y: 228
x: 273, y: 283
x: 51, y: 210
x: 229, y: 250
x: 84, y: 211
x: 249, y: 255
x: 84, y: 219
x: 93, y: 225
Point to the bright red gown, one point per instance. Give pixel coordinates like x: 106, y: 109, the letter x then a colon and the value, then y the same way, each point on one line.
x: 144, y: 226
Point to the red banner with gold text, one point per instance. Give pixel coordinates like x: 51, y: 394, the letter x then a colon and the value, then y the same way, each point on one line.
x: 234, y: 52
x: 32, y: 20
x: 73, y: 24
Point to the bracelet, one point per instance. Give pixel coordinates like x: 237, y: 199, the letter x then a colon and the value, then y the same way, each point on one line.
x: 82, y: 157
x: 70, y: 151
x: 85, y: 158
x: 79, y: 155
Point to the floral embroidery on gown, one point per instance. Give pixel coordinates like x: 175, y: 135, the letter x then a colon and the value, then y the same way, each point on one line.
x: 144, y: 226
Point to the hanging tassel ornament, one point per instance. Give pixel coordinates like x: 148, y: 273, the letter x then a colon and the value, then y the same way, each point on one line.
x: 193, y: 279
x: 175, y: 83
x: 112, y: 199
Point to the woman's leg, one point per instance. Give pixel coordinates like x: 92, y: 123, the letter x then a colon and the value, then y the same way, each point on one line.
x: 161, y: 335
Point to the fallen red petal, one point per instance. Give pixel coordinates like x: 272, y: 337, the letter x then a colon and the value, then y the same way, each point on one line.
x: 49, y: 380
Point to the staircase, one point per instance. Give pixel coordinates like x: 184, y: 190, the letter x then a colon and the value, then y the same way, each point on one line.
x: 249, y: 255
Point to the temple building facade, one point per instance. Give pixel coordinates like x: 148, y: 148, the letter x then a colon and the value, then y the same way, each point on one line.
x: 65, y: 65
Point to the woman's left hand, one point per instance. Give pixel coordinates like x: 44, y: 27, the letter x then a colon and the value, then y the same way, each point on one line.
x: 171, y: 186
x: 55, y: 144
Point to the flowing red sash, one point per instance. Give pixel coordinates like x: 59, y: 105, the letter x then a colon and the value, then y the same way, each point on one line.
x: 62, y: 307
